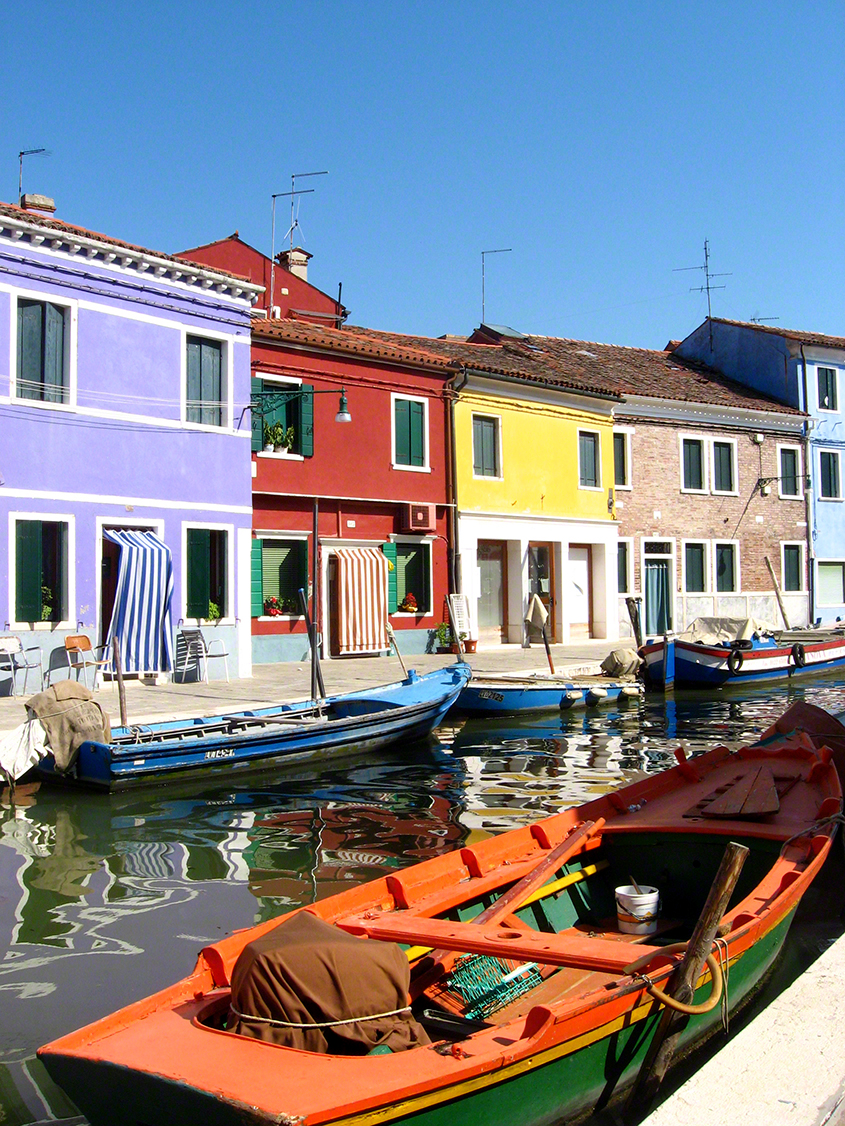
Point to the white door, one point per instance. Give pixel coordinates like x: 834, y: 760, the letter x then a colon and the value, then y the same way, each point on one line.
x: 578, y: 600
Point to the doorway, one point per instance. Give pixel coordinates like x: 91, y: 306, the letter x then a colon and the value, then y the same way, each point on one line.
x: 580, y: 591
x: 491, y: 556
x: 657, y: 586
x: 541, y: 581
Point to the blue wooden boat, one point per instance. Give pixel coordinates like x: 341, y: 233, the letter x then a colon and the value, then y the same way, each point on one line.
x: 287, y: 733
x: 508, y: 695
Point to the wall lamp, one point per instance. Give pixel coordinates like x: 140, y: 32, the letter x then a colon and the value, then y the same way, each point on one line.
x: 265, y: 401
x: 764, y: 483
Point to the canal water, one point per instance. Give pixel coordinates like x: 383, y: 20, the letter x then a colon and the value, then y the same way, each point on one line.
x: 107, y: 898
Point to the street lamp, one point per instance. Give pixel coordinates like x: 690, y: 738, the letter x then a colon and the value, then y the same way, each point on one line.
x: 265, y: 401
x: 343, y: 414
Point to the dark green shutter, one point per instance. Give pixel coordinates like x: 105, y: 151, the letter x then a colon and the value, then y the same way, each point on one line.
x: 54, y: 353
x: 723, y: 467
x: 389, y: 550
x: 193, y: 390
x: 791, y: 567
x: 416, y: 437
x: 402, y: 431
x: 789, y: 473
x: 199, y: 572
x: 484, y: 447
x: 693, y: 477
x: 589, y: 467
x: 256, y: 589
x: 256, y: 387
x: 30, y: 318
x: 620, y: 469
x: 28, y: 571
x: 304, y: 441
x: 622, y: 568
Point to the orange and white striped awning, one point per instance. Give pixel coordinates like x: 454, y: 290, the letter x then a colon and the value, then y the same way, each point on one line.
x: 362, y: 599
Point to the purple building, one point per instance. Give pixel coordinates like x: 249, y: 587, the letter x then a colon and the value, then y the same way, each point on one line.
x: 124, y: 382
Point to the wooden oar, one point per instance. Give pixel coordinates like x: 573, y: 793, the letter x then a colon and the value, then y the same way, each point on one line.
x: 442, y: 960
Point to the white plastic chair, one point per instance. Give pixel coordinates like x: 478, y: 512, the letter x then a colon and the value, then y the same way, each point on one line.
x: 200, y: 650
x: 14, y: 658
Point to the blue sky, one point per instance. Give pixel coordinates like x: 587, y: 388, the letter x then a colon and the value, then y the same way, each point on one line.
x: 603, y: 142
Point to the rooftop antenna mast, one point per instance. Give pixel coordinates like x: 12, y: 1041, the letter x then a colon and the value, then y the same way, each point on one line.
x: 21, y: 155
x: 707, y: 287
x: 504, y: 250
x: 294, y: 223
x: 758, y: 320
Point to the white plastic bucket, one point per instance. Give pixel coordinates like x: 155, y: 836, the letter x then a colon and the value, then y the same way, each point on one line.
x: 637, y: 914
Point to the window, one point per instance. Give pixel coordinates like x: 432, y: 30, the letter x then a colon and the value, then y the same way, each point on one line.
x: 41, y: 571
x: 829, y: 466
x: 293, y: 411
x: 207, y: 594
x: 623, y: 553
x: 725, y: 567
x: 831, y: 585
x: 789, y: 466
x: 205, y: 382
x: 693, y: 468
x: 42, y: 367
x: 723, y: 467
x: 588, y: 461
x: 827, y: 389
x: 792, y: 569
x: 413, y: 566
x: 695, y: 568
x: 485, y: 446
x: 621, y: 460
x: 409, y: 433
x: 279, y: 571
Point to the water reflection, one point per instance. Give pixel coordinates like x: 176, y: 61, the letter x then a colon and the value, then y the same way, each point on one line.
x: 105, y: 899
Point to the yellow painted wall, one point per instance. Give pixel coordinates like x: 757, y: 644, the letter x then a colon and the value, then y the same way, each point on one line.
x: 539, y: 458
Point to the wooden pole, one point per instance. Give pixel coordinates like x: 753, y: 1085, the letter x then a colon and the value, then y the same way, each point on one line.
x: 776, y: 585
x: 392, y: 637
x: 682, y: 982
x: 121, y: 688
x: 548, y: 649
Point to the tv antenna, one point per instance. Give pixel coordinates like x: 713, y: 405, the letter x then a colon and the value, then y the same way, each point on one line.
x: 504, y: 250
x: 758, y: 320
x: 21, y: 155
x: 707, y: 287
x: 294, y: 224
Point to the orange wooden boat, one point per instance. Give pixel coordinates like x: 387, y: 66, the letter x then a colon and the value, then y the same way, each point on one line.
x: 568, y: 1039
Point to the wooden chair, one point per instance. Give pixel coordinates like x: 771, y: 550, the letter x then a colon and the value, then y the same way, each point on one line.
x: 202, y: 651
x: 80, y: 655
x: 14, y: 657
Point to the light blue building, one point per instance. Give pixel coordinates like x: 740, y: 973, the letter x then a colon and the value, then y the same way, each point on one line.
x: 805, y: 370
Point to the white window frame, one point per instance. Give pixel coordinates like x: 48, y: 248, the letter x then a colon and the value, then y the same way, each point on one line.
x: 705, y: 463
x: 227, y: 402
x: 418, y: 541
x: 229, y: 619
x: 45, y: 518
x: 629, y: 540
x: 294, y: 384
x: 838, y: 454
x: 500, y: 474
x: 836, y: 386
x: 288, y: 538
x: 599, y: 487
x: 625, y: 432
x: 734, y: 492
x: 827, y: 563
x: 69, y: 363
x: 802, y: 565
x: 708, y: 576
x: 426, y: 466
x: 714, y: 556
x: 800, y: 471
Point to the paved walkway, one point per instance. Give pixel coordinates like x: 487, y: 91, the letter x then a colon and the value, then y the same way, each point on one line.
x: 273, y: 684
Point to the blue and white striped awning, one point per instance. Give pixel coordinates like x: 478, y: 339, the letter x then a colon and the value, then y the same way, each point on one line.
x: 141, y: 617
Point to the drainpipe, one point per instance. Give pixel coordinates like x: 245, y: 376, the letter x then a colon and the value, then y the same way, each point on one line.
x: 455, y: 385
x: 808, y: 468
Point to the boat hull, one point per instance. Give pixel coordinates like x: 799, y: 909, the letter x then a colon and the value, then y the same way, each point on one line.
x: 489, y: 697
x: 363, y: 721
x: 704, y: 666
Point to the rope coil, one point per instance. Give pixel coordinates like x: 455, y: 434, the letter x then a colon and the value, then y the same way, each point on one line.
x: 316, y: 1023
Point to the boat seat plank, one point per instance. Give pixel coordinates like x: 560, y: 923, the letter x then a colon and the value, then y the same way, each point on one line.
x: 753, y: 795
x: 564, y: 949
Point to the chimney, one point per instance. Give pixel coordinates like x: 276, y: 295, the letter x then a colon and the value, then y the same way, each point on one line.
x: 296, y: 261
x: 38, y: 204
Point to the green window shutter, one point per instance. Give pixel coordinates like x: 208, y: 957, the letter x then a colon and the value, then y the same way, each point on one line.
x: 28, y: 571
x: 416, y: 427
x: 723, y: 478
x: 693, y: 476
x: 620, y: 469
x: 484, y: 435
x: 694, y: 567
x: 193, y: 391
x: 256, y: 387
x: 199, y: 572
x: 211, y: 384
x: 54, y: 353
x: 256, y: 588
x: 789, y: 473
x: 390, y: 552
x: 412, y: 574
x: 30, y: 319
x: 622, y: 568
x: 791, y: 567
x: 402, y: 431
x: 304, y: 440
x: 589, y: 467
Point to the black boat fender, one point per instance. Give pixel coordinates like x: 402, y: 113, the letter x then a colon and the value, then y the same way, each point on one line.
x: 799, y: 656
x: 735, y: 659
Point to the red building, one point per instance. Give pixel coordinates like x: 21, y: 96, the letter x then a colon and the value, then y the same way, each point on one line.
x: 380, y: 482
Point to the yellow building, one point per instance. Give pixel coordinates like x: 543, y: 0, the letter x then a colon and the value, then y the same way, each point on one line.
x: 534, y: 495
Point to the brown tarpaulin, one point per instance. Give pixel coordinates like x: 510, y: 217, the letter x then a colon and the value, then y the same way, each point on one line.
x: 71, y: 716
x: 307, y: 972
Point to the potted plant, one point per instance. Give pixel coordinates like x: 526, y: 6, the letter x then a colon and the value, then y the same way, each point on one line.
x: 268, y: 438
x: 276, y: 434
x: 444, y: 637
x: 409, y: 604
x: 213, y: 612
x: 272, y: 607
